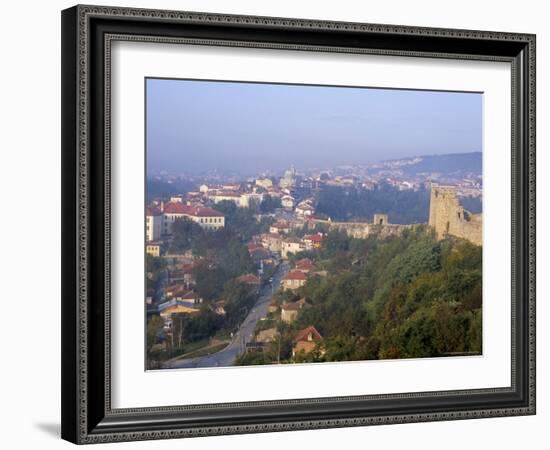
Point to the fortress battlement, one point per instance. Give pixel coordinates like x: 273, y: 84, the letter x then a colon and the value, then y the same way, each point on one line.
x: 448, y: 217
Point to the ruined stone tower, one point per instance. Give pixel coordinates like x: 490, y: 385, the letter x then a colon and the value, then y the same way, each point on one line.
x: 380, y: 219
x: 448, y: 217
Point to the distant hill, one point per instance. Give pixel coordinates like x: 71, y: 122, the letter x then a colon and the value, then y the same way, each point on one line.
x: 457, y: 164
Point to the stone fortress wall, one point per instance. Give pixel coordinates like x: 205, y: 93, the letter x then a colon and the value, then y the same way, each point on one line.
x: 447, y: 217
x: 361, y: 230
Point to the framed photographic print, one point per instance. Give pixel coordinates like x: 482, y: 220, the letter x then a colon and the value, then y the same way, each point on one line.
x: 281, y: 224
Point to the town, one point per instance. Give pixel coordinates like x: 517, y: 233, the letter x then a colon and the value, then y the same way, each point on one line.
x: 234, y: 267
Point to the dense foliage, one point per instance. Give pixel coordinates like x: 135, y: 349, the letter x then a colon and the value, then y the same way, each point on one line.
x: 405, y: 297
x: 241, y: 221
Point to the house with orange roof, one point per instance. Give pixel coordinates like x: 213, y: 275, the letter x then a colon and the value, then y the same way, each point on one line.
x: 304, y: 265
x: 306, y: 340
x: 294, y: 279
x: 280, y: 228
x: 289, y: 312
x: 249, y: 279
x: 312, y: 241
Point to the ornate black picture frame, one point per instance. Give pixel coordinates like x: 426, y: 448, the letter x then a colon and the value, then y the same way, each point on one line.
x: 87, y: 415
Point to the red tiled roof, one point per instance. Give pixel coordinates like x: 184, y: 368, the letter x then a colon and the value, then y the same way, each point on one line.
x: 313, y: 238
x: 295, y: 275
x: 206, y: 212
x: 153, y: 211
x: 280, y: 225
x: 249, y: 278
x: 291, y: 306
x: 197, y: 211
x: 302, y: 335
x: 304, y: 264
x: 177, y: 208
x: 304, y: 261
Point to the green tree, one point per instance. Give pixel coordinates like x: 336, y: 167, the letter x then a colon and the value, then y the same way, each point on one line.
x: 154, y: 328
x: 209, y: 280
x: 270, y: 204
x: 184, y: 233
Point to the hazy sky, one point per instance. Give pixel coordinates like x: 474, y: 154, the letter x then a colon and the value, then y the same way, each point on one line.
x: 197, y: 126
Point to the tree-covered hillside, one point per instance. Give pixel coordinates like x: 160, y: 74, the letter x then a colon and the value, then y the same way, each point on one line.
x: 405, y: 297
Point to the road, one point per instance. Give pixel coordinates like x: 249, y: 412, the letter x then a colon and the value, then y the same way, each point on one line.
x: 244, y: 335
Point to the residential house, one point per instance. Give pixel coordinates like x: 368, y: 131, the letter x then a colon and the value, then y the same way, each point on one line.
x: 272, y: 241
x: 305, y: 208
x: 304, y: 265
x: 294, y: 279
x: 167, y: 313
x: 268, y: 335
x: 219, y: 307
x: 280, y: 228
x: 250, y: 279
x: 312, y: 241
x: 306, y: 340
x: 153, y: 248
x: 291, y: 245
x: 289, y: 312
x: 287, y: 202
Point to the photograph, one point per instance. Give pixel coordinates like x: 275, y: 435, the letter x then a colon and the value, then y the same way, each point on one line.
x: 273, y: 223
x: 297, y: 223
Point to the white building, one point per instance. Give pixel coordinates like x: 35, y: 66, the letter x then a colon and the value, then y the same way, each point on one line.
x: 154, y: 224
x: 207, y: 218
x: 249, y: 199
x: 287, y: 201
x: 289, y: 178
x: 221, y: 196
x: 305, y: 208
x: 242, y: 200
x: 264, y: 182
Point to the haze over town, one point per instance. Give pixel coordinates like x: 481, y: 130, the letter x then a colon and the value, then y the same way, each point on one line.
x: 196, y: 127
